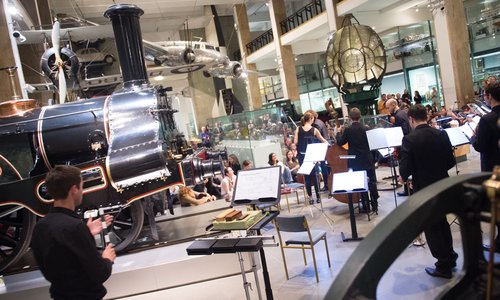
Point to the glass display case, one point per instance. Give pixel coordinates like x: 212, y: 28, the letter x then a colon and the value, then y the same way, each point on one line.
x: 415, y: 46
x: 251, y: 135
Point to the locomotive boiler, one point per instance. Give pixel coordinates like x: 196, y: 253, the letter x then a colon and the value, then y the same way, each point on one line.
x: 121, y: 143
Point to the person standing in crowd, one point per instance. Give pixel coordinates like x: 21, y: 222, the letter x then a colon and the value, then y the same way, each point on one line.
x: 234, y: 163
x: 64, y: 247
x: 487, y: 137
x: 320, y: 125
x: 434, y: 97
x: 306, y: 134
x: 355, y: 135
x: 381, y: 105
x: 205, y: 137
x: 417, y: 98
x: 406, y: 97
x: 427, y: 155
x: 227, y: 184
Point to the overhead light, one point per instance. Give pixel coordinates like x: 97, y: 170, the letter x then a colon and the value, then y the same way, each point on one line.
x: 416, y: 9
x: 267, y: 3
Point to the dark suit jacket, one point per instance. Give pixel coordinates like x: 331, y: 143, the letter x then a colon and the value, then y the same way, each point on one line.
x: 401, y: 119
x: 355, y: 135
x: 486, y: 140
x: 427, y: 155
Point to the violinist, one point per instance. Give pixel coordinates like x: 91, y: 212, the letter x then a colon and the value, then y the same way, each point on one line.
x: 355, y: 135
x: 304, y: 135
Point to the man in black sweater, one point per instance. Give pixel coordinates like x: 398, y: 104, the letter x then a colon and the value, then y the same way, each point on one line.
x: 487, y: 137
x: 355, y: 135
x: 427, y: 155
x: 64, y: 246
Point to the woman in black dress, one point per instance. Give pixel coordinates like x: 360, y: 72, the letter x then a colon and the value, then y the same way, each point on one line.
x: 306, y: 134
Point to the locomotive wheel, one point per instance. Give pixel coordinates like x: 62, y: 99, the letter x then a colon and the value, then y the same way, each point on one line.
x: 16, y: 227
x: 127, y: 226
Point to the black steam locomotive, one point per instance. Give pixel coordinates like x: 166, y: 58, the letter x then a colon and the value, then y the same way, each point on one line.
x: 122, y: 143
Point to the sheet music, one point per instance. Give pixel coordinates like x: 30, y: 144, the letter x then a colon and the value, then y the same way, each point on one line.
x: 257, y: 183
x: 316, y: 152
x: 468, y: 129
x: 456, y: 136
x: 394, y: 136
x: 306, y: 168
x: 349, y: 181
x: 386, y: 151
x: 376, y: 138
x: 379, y: 138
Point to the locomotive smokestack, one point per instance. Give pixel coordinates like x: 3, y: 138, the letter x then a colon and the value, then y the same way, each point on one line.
x: 128, y: 38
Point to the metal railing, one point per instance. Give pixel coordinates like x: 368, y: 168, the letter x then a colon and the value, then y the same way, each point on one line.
x: 302, y: 15
x: 260, y: 41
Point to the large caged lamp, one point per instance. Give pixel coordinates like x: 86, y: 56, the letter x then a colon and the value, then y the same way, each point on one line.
x: 356, y: 62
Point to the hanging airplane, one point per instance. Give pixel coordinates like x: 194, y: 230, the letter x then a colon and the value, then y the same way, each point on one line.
x: 167, y: 58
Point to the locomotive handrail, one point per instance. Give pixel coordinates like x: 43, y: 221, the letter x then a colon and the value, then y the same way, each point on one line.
x: 53, y: 117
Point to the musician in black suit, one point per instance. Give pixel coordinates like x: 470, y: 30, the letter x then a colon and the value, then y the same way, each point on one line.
x: 355, y: 135
x: 427, y: 155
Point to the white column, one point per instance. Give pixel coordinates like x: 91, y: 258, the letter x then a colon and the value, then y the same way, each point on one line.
x: 445, y: 61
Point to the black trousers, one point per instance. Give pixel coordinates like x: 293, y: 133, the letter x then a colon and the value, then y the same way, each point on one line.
x: 311, y: 179
x: 441, y: 244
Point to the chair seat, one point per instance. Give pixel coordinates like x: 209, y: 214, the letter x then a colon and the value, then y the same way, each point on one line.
x: 295, y: 185
x: 302, y: 238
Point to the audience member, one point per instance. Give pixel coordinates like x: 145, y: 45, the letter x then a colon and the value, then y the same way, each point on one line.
x: 382, y: 107
x: 417, y: 98
x: 189, y: 197
x: 227, y: 184
x: 205, y: 137
x: 247, y: 165
x: 292, y: 163
x: 286, y: 175
x: 234, y: 163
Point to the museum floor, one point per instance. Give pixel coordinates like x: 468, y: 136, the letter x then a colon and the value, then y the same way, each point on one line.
x: 406, y: 278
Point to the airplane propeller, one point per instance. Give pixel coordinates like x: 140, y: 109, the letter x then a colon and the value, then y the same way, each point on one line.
x: 59, y: 62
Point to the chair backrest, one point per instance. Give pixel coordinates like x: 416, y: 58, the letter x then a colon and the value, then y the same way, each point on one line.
x: 292, y: 223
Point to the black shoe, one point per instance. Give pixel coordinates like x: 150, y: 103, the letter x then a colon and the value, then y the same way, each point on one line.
x: 402, y: 194
x: 324, y: 189
x: 318, y: 200
x: 438, y: 273
x: 374, y: 205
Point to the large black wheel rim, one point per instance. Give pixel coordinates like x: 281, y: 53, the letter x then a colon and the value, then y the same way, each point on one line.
x: 127, y: 226
x: 16, y: 227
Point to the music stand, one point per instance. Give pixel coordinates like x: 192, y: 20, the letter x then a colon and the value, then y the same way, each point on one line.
x: 386, y: 138
x: 349, y: 183
x: 315, y: 153
x: 457, y: 138
x: 257, y: 186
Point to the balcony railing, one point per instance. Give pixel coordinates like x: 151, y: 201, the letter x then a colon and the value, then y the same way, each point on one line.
x: 302, y: 15
x: 260, y: 41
